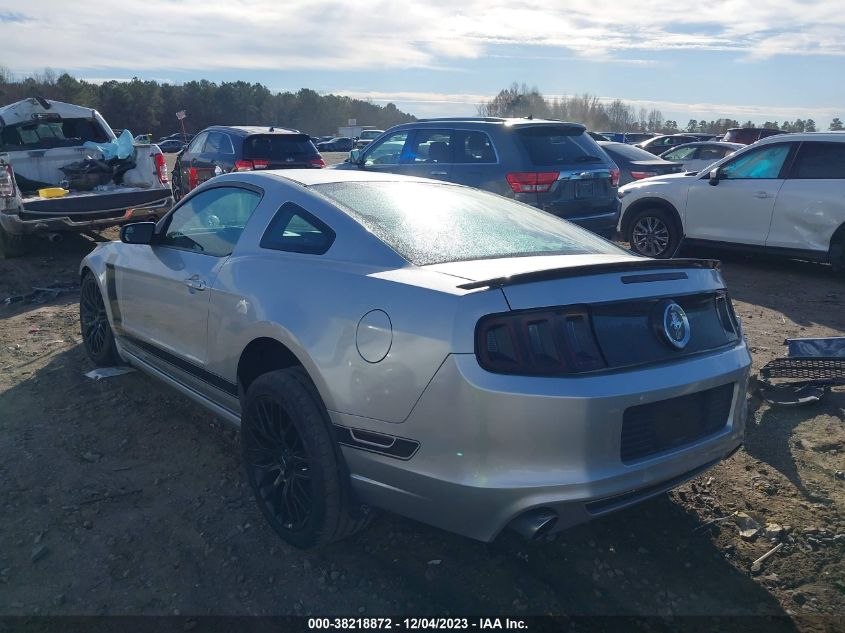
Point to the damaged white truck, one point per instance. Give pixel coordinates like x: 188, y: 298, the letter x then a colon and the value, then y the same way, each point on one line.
x: 62, y: 169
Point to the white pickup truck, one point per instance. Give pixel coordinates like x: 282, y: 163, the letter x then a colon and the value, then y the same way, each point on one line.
x: 42, y: 147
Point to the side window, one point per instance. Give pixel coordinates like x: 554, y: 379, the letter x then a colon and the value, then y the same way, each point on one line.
x: 387, y: 151
x: 430, y: 146
x: 764, y: 162
x: 196, y: 145
x: 474, y: 147
x: 211, y: 222
x: 682, y: 153
x: 218, y: 143
x: 295, y: 230
x: 712, y: 153
x: 820, y: 161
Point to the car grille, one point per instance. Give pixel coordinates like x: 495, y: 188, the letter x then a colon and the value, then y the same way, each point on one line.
x: 660, y: 426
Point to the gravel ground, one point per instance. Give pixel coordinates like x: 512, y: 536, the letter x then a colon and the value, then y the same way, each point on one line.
x: 123, y: 497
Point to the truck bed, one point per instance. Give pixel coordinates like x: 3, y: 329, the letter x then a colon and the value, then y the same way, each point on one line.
x: 94, y: 202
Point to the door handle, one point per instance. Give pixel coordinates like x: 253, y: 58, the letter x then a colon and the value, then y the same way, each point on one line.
x: 438, y: 173
x: 195, y: 283
x: 761, y: 194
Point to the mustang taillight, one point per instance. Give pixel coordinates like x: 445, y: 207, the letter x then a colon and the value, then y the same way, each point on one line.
x: 7, y: 181
x: 730, y: 321
x: 544, y: 342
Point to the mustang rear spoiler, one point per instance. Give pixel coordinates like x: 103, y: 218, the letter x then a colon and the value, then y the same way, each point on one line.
x: 598, y: 269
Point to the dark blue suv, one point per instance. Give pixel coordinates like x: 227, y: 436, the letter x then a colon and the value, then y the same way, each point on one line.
x: 553, y: 165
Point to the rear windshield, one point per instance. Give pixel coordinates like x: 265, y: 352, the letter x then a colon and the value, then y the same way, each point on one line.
x: 628, y: 151
x: 48, y: 134
x: 429, y: 223
x: 557, y: 145
x: 275, y: 146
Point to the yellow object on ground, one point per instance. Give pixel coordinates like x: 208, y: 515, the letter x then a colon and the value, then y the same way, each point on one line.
x: 52, y: 192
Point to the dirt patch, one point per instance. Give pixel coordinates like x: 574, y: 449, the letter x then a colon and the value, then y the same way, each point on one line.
x: 123, y: 497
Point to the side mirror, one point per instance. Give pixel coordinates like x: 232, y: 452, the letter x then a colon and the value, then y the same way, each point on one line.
x: 138, y: 233
x: 355, y: 157
x: 715, y: 175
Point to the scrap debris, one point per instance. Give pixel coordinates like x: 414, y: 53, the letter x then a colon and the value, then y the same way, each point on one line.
x: 811, y: 368
x: 40, y: 294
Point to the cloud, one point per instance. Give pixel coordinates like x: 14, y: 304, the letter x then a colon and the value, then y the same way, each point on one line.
x: 11, y: 16
x: 381, y: 34
x: 433, y: 103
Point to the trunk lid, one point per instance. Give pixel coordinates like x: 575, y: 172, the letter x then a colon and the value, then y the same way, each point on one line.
x: 583, y: 183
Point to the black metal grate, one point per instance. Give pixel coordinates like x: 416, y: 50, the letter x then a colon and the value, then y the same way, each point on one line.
x: 660, y: 426
x: 805, y: 368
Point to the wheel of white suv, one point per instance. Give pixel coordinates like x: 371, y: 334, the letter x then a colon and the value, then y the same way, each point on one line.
x: 293, y: 463
x: 654, y: 233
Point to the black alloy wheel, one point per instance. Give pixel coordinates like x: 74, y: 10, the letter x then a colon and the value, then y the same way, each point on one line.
x: 97, y: 334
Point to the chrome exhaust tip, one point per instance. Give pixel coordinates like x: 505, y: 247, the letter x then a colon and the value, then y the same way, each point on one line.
x: 535, y: 523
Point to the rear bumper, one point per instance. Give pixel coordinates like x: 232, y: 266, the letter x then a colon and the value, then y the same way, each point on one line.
x: 35, y: 222
x: 602, y: 222
x: 493, y: 447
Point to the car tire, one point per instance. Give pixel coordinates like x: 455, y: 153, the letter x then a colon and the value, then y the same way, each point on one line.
x: 293, y: 464
x: 653, y: 232
x: 12, y: 245
x: 97, y: 334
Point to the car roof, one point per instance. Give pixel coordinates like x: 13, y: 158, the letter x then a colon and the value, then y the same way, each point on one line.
x: 490, y: 122
x: 837, y: 137
x: 248, y: 130
x: 308, y: 177
x: 710, y: 144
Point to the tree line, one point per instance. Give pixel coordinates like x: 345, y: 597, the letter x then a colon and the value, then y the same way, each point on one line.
x: 616, y: 116
x: 144, y: 106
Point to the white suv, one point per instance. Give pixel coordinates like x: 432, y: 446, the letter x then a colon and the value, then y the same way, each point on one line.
x: 783, y: 194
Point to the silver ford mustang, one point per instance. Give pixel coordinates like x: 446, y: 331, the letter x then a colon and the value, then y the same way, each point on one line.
x: 422, y: 347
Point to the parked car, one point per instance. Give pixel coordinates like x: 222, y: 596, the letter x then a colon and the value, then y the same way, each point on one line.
x: 366, y: 137
x: 698, y: 156
x: 659, y: 144
x: 598, y: 137
x: 337, y: 144
x: 144, y: 138
x: 552, y: 165
x: 749, y: 135
x: 783, y: 195
x: 51, y: 183
x: 178, y: 136
x: 703, y: 136
x: 635, y: 163
x: 422, y: 347
x: 320, y: 139
x: 637, y: 137
x: 222, y: 149
x: 171, y: 146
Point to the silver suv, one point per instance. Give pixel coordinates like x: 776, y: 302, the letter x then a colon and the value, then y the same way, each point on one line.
x: 552, y: 165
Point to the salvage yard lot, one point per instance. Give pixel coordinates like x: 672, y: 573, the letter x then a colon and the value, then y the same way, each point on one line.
x: 123, y: 497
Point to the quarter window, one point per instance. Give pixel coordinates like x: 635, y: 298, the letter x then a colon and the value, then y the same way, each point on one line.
x: 211, y: 222
x: 388, y: 151
x: 763, y: 163
x: 295, y: 230
x: 820, y: 161
x: 474, y: 147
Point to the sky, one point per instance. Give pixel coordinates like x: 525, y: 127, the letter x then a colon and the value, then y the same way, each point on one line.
x: 743, y: 59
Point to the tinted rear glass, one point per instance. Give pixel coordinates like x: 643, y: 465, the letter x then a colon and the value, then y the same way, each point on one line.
x: 558, y: 145
x: 429, y: 223
x: 276, y: 146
